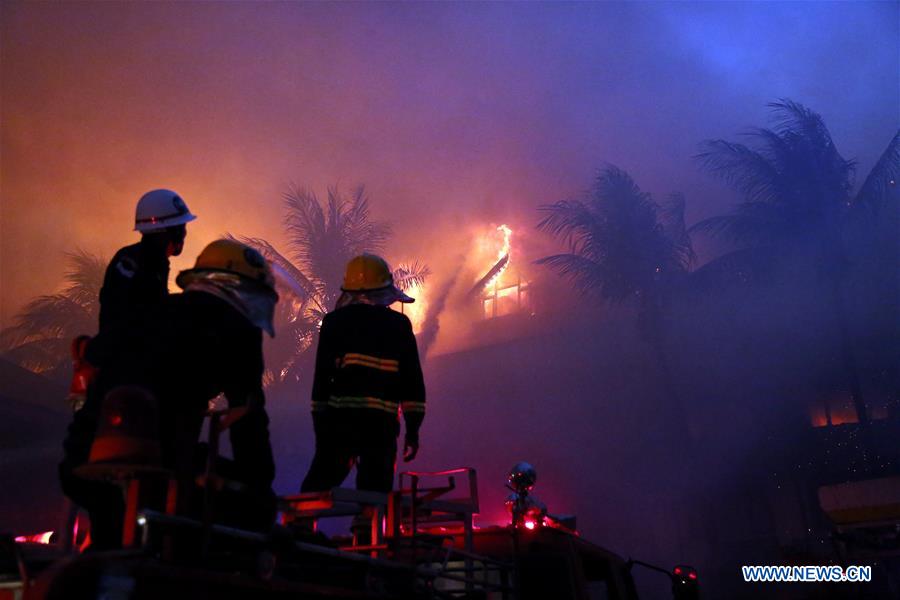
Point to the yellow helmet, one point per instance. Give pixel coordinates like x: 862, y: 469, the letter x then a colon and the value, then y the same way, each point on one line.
x: 369, y: 273
x: 229, y: 256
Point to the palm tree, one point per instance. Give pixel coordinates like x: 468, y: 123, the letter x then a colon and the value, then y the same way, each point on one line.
x: 322, y: 238
x: 42, y: 332
x: 798, y: 200
x: 627, y: 249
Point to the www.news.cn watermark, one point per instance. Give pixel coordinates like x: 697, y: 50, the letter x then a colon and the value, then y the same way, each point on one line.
x: 807, y: 574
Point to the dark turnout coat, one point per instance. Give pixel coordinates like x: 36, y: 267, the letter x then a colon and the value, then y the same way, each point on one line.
x: 186, y: 351
x: 367, y: 373
x: 136, y: 280
x: 367, y: 360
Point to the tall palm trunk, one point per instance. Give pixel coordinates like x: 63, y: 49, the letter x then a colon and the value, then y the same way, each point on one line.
x: 676, y: 403
x: 848, y: 356
x: 833, y: 255
x: 836, y: 256
x: 655, y: 336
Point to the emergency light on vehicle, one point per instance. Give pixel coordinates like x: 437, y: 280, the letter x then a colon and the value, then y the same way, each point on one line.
x: 37, y: 538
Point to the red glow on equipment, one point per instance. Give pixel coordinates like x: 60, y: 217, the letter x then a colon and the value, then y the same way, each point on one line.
x: 685, y: 575
x: 37, y: 538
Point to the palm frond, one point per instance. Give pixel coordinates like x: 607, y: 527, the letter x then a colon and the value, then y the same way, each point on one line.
x: 48, y: 316
x: 39, y: 355
x: 322, y: 238
x: 305, y: 223
x: 752, y: 223
x: 738, y: 267
x: 672, y: 217
x: 85, y: 278
x: 41, y: 332
x: 288, y: 275
x: 794, y: 185
x: 571, y: 220
x: 619, y: 241
x: 886, y: 170
x: 585, y: 274
x: 724, y: 226
x: 791, y: 117
x: 410, y: 275
x: 807, y: 133
x: 361, y: 232
x: 615, y: 189
x: 747, y: 170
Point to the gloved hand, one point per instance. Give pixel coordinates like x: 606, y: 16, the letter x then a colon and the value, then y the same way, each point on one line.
x: 410, y: 448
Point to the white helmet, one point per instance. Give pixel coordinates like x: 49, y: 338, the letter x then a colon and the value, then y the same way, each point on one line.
x: 159, y: 209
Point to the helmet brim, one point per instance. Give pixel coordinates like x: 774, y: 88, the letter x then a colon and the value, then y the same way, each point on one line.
x: 398, y: 294
x: 403, y: 296
x: 165, y: 224
x: 188, y: 276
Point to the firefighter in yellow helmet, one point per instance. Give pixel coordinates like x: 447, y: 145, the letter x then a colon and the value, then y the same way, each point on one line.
x: 196, y: 345
x: 367, y: 372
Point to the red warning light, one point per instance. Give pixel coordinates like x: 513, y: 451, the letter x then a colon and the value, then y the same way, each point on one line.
x: 692, y: 575
x: 37, y: 538
x: 115, y: 419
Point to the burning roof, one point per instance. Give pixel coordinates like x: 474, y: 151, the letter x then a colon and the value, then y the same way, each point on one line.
x: 503, y: 259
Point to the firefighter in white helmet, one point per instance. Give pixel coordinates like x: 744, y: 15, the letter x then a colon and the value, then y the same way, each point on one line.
x: 138, y: 274
x: 137, y: 278
x: 135, y: 283
x: 185, y: 351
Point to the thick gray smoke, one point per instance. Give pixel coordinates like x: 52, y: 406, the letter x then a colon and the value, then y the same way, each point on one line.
x: 432, y: 324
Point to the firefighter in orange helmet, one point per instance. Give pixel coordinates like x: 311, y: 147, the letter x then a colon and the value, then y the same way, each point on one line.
x: 367, y: 372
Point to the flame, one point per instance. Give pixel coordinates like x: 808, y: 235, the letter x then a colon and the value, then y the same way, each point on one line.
x: 417, y: 310
x: 504, y: 251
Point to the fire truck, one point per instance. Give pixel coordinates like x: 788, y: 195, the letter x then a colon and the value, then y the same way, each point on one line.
x: 424, y: 545
x: 418, y: 542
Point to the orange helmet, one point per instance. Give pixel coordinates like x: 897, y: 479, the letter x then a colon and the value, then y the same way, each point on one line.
x: 229, y: 256
x: 370, y: 273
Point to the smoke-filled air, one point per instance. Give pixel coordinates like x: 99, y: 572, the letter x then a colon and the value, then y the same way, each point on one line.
x: 654, y: 249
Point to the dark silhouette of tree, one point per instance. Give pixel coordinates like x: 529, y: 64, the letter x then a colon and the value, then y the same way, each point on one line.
x: 41, y: 334
x: 798, y: 201
x: 322, y: 238
x: 625, y: 248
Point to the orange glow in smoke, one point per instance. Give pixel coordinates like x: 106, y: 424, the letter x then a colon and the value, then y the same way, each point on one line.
x: 417, y: 310
x: 818, y: 417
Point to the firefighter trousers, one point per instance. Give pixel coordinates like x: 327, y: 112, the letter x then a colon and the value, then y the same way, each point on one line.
x: 347, y: 437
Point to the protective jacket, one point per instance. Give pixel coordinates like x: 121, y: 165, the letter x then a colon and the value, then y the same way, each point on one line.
x: 367, y: 359
x: 367, y: 371
x: 188, y: 350
x: 136, y: 279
